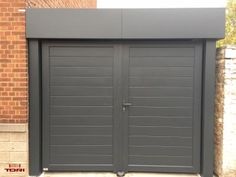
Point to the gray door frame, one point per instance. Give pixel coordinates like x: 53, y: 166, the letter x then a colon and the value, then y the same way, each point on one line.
x: 35, y: 112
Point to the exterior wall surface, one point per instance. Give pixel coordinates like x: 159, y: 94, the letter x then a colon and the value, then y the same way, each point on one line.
x: 14, y: 81
x: 13, y: 62
x: 13, y: 150
x: 225, y: 114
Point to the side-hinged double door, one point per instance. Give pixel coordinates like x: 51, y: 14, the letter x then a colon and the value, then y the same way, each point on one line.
x: 121, y: 106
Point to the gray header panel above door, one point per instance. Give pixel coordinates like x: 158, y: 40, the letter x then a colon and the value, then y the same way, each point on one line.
x: 173, y: 23
x: 186, y: 23
x: 73, y: 23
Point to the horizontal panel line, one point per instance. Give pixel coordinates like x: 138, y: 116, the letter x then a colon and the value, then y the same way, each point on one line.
x: 131, y: 87
x: 108, y: 145
x: 162, y: 97
x: 160, y: 77
x: 78, y: 84
x: 86, y: 86
x: 109, y: 136
x: 109, y: 106
x: 59, y: 56
x: 87, y: 67
x: 167, y: 77
x: 146, y: 126
x: 152, y: 67
x: 54, y: 57
x: 134, y: 56
x: 160, y: 166
x: 145, y: 136
x: 163, y: 117
x: 81, y: 96
x: 158, y: 156
x: 82, y: 126
x: 84, y: 155
x: 144, y: 146
x: 74, y: 134
x: 163, y: 56
x: 90, y: 87
x: 85, y: 77
x: 160, y: 106
x: 82, y: 165
x: 79, y: 116
x: 87, y: 105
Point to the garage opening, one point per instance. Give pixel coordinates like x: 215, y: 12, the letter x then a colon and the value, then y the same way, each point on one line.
x: 114, y: 107
x: 128, y: 94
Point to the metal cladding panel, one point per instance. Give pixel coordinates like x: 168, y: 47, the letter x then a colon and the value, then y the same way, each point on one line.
x: 187, y: 23
x: 73, y: 23
x: 173, y: 23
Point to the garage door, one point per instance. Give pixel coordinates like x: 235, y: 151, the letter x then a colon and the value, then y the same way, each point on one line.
x: 121, y: 107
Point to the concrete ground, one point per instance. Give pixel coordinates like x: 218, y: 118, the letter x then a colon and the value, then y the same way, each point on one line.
x: 50, y: 174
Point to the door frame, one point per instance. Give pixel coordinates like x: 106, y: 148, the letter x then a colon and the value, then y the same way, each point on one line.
x: 35, y: 110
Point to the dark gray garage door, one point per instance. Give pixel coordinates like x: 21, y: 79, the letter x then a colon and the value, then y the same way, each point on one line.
x: 121, y: 107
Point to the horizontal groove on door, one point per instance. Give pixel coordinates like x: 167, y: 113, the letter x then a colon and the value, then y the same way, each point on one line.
x: 86, y: 110
x: 80, y: 51
x: 81, y: 140
x: 156, y: 121
x: 81, y: 167
x: 81, y: 101
x: 82, y: 72
x: 162, y: 102
x: 161, y: 61
x: 81, y: 150
x: 161, y: 92
x: 161, y: 81
x: 76, y: 61
x: 81, y: 130
x: 80, y: 91
x: 161, y: 71
x: 160, y: 160
x: 161, y: 131
x: 161, y: 51
x: 149, y: 111
x: 160, y: 140
x: 82, y: 121
x: 82, y: 81
x: 160, y: 151
x: 81, y: 159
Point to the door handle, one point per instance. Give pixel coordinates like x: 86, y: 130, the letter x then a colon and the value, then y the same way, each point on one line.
x: 125, y: 105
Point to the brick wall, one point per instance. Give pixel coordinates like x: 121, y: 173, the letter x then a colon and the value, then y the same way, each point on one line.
x: 225, y: 114
x: 13, y: 62
x: 13, y: 54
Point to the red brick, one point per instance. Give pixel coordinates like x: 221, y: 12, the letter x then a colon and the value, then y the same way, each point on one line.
x: 13, y: 54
